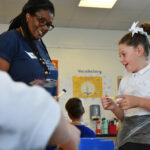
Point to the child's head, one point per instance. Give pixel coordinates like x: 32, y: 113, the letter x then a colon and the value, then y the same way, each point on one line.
x: 74, y: 108
x: 134, y: 48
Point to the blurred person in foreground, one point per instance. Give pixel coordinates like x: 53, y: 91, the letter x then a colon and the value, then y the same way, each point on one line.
x: 32, y: 119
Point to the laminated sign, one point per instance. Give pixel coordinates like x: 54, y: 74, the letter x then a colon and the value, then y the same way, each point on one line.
x: 87, y: 86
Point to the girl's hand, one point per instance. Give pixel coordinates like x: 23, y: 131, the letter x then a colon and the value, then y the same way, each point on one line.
x: 128, y: 101
x: 108, y: 103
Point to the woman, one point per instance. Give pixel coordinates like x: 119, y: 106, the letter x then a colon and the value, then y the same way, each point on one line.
x: 22, y: 52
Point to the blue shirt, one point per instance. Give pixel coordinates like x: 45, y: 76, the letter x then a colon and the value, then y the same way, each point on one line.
x: 86, y: 132
x: 24, y: 65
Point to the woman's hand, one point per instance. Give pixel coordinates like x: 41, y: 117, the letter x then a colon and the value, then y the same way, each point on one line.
x: 128, y: 101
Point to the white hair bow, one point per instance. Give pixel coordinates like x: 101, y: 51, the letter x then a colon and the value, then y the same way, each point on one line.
x: 134, y: 29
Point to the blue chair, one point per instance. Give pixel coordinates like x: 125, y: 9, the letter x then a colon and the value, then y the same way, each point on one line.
x: 95, y: 144
x: 50, y: 147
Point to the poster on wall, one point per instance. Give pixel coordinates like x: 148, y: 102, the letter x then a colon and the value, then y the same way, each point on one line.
x: 87, y: 86
x: 55, y: 63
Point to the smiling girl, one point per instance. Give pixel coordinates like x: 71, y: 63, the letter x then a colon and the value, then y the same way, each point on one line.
x: 134, y: 91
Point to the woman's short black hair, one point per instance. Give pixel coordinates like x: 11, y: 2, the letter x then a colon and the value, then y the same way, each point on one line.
x: 34, y: 5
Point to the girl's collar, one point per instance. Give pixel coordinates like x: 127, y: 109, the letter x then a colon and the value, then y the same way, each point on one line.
x: 143, y: 70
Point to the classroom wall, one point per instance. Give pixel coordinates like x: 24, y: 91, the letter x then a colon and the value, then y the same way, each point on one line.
x: 94, y: 52
x: 86, y: 50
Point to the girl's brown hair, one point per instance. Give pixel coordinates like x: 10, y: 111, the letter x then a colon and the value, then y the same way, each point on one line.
x: 138, y: 39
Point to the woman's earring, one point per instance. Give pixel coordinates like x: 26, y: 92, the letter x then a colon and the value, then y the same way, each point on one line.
x: 27, y: 18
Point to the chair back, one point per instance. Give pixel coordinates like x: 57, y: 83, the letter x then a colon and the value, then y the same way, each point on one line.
x: 96, y: 144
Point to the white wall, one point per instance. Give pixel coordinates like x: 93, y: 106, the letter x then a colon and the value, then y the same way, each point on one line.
x: 87, y: 50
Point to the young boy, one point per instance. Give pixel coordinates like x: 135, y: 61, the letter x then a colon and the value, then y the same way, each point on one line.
x: 75, y: 111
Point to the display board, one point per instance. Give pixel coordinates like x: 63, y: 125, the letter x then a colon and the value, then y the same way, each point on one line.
x: 87, y: 86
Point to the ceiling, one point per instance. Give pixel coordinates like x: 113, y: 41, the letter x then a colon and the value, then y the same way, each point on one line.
x: 69, y: 15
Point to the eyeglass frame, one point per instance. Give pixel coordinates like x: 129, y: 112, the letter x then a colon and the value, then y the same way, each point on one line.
x: 42, y: 22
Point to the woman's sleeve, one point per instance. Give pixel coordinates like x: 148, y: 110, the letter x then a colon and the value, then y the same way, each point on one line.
x: 8, y: 45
